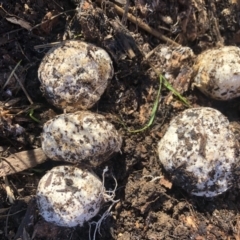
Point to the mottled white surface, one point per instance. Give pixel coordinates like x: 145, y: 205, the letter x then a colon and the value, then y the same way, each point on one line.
x: 217, y: 73
x: 82, y: 136
x: 199, y: 151
x: 74, y: 75
x: 68, y: 196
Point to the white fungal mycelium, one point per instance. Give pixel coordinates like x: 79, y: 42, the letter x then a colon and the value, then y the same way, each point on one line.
x: 69, y: 196
x: 217, y: 73
x: 80, y: 137
x: 199, y: 150
x: 74, y: 75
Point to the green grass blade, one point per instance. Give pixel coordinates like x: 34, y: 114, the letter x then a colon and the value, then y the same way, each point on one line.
x: 174, y: 91
x: 162, y: 81
x: 153, y: 113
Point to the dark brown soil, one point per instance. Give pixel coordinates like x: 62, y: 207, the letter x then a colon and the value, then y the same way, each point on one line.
x: 147, y: 209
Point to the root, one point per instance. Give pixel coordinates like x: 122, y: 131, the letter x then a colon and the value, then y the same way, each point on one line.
x: 108, y: 196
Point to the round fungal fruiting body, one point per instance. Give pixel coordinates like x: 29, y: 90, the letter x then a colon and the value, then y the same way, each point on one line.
x: 74, y: 75
x: 68, y: 196
x: 200, y: 152
x: 78, y: 137
x: 217, y: 73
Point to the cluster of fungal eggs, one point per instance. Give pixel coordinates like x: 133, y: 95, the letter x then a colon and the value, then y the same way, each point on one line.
x: 74, y: 75
x: 199, y: 149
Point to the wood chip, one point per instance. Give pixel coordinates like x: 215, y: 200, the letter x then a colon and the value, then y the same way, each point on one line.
x: 20, y: 161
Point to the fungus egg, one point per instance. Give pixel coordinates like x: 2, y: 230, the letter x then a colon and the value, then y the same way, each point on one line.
x: 217, y: 73
x: 199, y: 150
x: 68, y: 196
x: 80, y: 137
x: 74, y: 75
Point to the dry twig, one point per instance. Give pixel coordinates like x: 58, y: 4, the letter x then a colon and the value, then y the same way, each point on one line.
x: 141, y: 24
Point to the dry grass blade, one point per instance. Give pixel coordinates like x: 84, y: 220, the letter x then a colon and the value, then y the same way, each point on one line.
x: 21, y: 85
x: 9, y: 190
x: 10, y: 76
x: 48, y: 45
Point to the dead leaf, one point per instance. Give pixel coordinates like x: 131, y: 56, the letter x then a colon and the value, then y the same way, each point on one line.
x: 174, y: 103
x: 137, y: 224
x: 211, y: 229
x: 149, y: 97
x: 190, y: 221
x: 165, y: 182
x: 19, y: 21
x: 49, y: 21
x: 142, y: 114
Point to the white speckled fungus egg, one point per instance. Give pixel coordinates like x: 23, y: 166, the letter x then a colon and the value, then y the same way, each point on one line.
x: 78, y: 137
x: 217, y: 73
x: 199, y: 150
x: 68, y: 196
x: 74, y: 75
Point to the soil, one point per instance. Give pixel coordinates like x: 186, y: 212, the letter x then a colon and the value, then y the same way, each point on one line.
x: 150, y: 206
